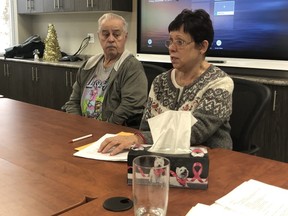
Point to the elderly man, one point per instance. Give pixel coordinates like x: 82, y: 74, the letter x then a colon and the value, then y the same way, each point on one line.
x: 111, y: 86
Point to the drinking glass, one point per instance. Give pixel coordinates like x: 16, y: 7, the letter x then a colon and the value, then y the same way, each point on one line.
x: 150, y: 185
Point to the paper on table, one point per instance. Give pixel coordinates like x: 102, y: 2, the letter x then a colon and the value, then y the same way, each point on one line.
x: 202, y: 209
x: 250, y: 198
x: 92, y: 151
x: 256, y: 198
x: 122, y: 133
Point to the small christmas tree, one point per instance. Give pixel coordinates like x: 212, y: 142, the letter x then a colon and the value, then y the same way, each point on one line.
x: 52, y: 51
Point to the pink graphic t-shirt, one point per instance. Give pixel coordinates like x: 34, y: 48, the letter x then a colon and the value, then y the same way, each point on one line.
x: 93, y: 94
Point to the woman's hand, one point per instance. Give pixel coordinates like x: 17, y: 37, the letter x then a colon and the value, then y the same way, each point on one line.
x: 118, y: 143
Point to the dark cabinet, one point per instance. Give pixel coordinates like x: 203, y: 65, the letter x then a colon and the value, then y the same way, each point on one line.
x: 49, y: 86
x: 51, y: 6
x: 58, y: 6
x: 29, y: 6
x: 38, y: 89
x: 271, y: 133
x: 4, y: 78
x: 103, y: 5
x: 39, y: 84
x: 60, y: 84
x: 11, y: 81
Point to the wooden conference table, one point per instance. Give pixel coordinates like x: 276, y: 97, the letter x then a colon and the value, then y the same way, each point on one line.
x: 40, y: 176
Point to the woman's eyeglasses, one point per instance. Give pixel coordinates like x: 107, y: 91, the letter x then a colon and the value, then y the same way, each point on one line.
x: 177, y: 43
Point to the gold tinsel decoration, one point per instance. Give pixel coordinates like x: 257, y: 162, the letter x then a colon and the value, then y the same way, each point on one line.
x: 52, y: 51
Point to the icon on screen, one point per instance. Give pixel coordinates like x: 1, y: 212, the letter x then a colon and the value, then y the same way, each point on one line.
x: 218, y: 42
x: 149, y: 41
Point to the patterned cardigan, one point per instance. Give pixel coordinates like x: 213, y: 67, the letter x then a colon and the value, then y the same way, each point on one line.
x: 209, y: 98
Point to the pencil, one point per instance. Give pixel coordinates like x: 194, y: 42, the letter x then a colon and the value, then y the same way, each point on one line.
x: 81, y: 138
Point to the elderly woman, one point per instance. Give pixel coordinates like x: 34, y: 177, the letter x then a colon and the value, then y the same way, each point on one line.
x: 192, y: 85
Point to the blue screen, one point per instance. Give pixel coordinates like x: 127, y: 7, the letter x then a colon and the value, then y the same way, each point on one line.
x: 243, y: 28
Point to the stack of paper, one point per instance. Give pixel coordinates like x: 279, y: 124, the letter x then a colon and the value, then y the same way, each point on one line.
x: 250, y: 198
x: 91, y: 151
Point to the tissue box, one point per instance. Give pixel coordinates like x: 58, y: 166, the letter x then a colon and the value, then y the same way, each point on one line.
x: 186, y: 170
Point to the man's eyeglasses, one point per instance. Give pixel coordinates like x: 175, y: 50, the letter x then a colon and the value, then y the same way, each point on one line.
x: 177, y: 43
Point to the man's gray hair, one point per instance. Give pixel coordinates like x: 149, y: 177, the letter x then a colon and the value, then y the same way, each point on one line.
x: 108, y: 16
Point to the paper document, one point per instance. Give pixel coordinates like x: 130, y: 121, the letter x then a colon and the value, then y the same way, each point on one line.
x: 91, y: 151
x: 250, y: 198
x: 257, y: 198
x: 202, y: 209
x: 122, y: 133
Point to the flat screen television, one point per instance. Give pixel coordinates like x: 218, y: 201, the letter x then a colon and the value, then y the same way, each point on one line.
x: 251, y: 29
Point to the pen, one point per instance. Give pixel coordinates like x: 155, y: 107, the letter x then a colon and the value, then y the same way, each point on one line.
x: 81, y: 138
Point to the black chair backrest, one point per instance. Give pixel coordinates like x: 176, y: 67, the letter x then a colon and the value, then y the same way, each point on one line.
x: 250, y: 100
x: 151, y: 71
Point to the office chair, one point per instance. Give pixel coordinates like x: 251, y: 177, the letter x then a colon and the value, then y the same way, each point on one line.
x: 249, y: 102
x: 151, y: 71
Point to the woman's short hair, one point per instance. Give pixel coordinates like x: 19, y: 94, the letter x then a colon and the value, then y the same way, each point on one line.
x: 196, y: 23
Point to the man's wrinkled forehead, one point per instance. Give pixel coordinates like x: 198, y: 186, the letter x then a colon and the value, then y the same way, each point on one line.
x: 113, y: 30
x: 112, y: 25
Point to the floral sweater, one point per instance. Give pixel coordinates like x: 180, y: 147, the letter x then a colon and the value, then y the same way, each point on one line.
x: 209, y: 99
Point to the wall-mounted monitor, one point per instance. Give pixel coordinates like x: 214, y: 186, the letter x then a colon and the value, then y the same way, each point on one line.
x: 250, y: 29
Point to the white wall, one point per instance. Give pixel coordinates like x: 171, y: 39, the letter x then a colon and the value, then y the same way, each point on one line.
x: 72, y: 28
